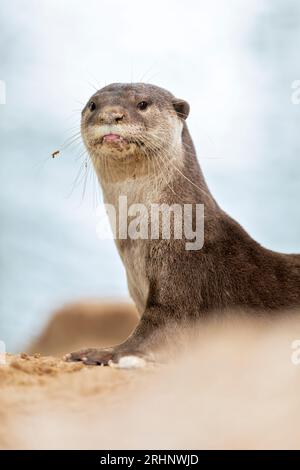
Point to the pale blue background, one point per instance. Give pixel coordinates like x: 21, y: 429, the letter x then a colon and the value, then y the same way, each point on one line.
x: 234, y: 61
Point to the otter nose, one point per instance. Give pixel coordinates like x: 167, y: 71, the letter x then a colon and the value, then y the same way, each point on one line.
x: 111, y: 116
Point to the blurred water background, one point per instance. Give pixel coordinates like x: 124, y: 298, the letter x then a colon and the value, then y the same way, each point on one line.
x: 235, y: 62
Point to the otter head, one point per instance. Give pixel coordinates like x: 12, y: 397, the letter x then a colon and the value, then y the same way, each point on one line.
x: 129, y: 128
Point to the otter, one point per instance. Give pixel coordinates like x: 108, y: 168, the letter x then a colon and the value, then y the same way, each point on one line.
x: 138, y: 140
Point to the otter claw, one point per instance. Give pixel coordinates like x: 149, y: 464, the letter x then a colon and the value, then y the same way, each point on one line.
x: 91, y: 356
x: 107, y: 357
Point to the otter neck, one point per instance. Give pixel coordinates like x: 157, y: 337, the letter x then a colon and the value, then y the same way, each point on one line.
x: 191, y: 183
x: 145, y: 182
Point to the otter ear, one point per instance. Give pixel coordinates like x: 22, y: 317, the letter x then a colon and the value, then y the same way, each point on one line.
x: 181, y: 107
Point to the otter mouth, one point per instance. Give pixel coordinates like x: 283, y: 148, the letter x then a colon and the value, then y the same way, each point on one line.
x: 113, y: 139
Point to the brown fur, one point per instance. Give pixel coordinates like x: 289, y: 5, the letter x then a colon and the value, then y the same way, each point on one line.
x: 172, y: 284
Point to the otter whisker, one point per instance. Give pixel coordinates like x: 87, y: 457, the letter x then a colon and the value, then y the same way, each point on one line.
x: 154, y: 155
x: 182, y: 174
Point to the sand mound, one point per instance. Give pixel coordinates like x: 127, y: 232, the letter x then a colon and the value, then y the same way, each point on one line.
x: 88, y: 323
x: 234, y: 386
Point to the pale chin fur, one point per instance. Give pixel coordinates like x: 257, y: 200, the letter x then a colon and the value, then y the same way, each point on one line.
x: 97, y: 132
x: 129, y: 131
x: 171, y: 143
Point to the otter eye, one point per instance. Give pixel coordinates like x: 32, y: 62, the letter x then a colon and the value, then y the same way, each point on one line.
x: 92, y: 106
x: 142, y: 105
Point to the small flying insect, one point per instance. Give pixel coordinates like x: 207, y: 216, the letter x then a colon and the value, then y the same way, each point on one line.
x: 55, y: 154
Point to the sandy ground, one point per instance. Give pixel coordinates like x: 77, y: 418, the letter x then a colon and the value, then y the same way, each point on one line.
x: 233, y: 386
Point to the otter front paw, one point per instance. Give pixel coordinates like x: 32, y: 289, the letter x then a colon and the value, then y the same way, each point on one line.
x: 108, y: 357
x: 92, y: 356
